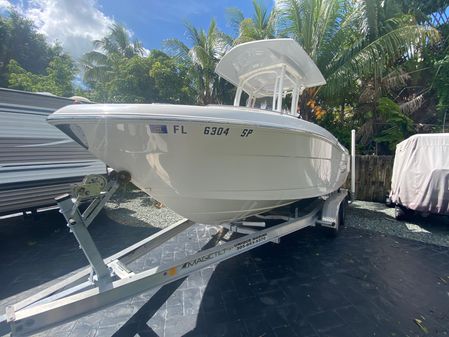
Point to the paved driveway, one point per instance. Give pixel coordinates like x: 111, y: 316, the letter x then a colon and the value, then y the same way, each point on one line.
x: 359, y: 284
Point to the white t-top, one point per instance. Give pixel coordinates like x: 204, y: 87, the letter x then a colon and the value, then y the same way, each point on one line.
x: 255, y: 66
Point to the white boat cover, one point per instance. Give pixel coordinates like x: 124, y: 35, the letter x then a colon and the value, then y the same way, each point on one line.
x: 420, y: 178
x: 255, y: 65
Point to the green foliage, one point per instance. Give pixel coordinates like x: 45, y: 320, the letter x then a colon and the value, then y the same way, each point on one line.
x: 21, y: 42
x: 429, y: 12
x: 316, y: 25
x: 437, y: 63
x: 441, y: 83
x: 381, y: 36
x: 261, y: 26
x: 101, y: 64
x: 201, y: 59
x: 396, y: 127
x: 130, y: 82
x: 313, y: 23
x: 340, y: 126
x: 27, y: 62
x: 170, y: 80
x: 155, y: 78
x: 57, y: 80
x: 118, y: 72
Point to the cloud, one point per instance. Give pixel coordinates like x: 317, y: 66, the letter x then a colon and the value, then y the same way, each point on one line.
x: 73, y: 24
x: 4, y: 4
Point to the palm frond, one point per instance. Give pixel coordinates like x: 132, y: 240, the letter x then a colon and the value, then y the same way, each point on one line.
x: 395, y: 79
x: 312, y: 23
x: 364, y: 60
x: 234, y: 17
x: 177, y: 49
x: 120, y: 39
x: 94, y: 58
x: 193, y: 34
x: 412, y: 105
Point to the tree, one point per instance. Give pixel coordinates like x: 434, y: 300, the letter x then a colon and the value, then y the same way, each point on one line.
x: 433, y: 13
x: 21, y: 42
x: 383, y: 39
x: 201, y: 60
x: 154, y: 78
x: 398, y: 126
x: 387, y: 40
x: 100, y: 64
x: 27, y: 62
x: 360, y: 48
x: 429, y: 86
x: 317, y: 26
x: 261, y: 26
x: 171, y: 79
x: 58, y: 78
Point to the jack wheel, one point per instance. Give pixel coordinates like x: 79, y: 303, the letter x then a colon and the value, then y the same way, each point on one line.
x: 124, y: 177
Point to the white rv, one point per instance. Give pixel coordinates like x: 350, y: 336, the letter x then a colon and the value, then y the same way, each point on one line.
x: 37, y: 161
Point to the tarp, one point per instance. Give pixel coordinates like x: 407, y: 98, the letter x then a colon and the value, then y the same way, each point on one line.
x: 420, y: 178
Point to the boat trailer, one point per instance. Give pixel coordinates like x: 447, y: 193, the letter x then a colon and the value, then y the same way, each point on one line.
x: 108, y: 281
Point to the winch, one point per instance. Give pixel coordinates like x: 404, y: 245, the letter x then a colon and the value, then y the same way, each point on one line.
x: 91, y: 187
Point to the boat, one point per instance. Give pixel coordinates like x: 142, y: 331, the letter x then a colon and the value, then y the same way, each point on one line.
x: 37, y: 161
x: 218, y: 164
x: 420, y: 177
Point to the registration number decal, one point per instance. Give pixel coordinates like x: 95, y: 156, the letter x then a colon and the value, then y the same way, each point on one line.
x: 179, y: 129
x: 216, y: 131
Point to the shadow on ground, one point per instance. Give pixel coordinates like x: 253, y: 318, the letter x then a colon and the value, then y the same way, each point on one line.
x: 47, y: 243
x: 360, y: 284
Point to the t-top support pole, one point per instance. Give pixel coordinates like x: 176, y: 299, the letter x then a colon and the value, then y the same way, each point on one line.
x: 238, y: 95
x: 280, y: 89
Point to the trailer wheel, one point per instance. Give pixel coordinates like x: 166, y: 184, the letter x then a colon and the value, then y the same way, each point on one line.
x: 388, y: 202
x: 399, y: 212
x: 342, y: 212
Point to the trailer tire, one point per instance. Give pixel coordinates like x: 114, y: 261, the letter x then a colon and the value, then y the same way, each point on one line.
x: 388, y: 202
x: 399, y: 212
x: 342, y: 212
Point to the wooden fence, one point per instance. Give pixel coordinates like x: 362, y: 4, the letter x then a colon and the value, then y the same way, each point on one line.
x: 372, y: 178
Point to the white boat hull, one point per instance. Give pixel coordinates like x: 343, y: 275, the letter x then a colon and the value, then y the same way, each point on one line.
x: 210, y: 164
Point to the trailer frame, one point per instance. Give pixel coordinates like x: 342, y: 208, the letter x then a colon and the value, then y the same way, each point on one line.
x: 108, y: 281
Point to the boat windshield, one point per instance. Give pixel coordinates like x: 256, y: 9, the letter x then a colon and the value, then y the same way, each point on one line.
x: 269, y: 69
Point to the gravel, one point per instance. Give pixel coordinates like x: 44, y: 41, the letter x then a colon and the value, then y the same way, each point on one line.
x: 135, y: 208
x: 380, y: 218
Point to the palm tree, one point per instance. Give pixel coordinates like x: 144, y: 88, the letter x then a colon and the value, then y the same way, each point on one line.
x: 383, y: 38
x: 98, y: 65
x: 260, y: 27
x: 354, y: 45
x: 201, y: 59
x: 386, y: 39
x: 315, y: 24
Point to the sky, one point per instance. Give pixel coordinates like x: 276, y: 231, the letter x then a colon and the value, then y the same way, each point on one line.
x: 75, y: 23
